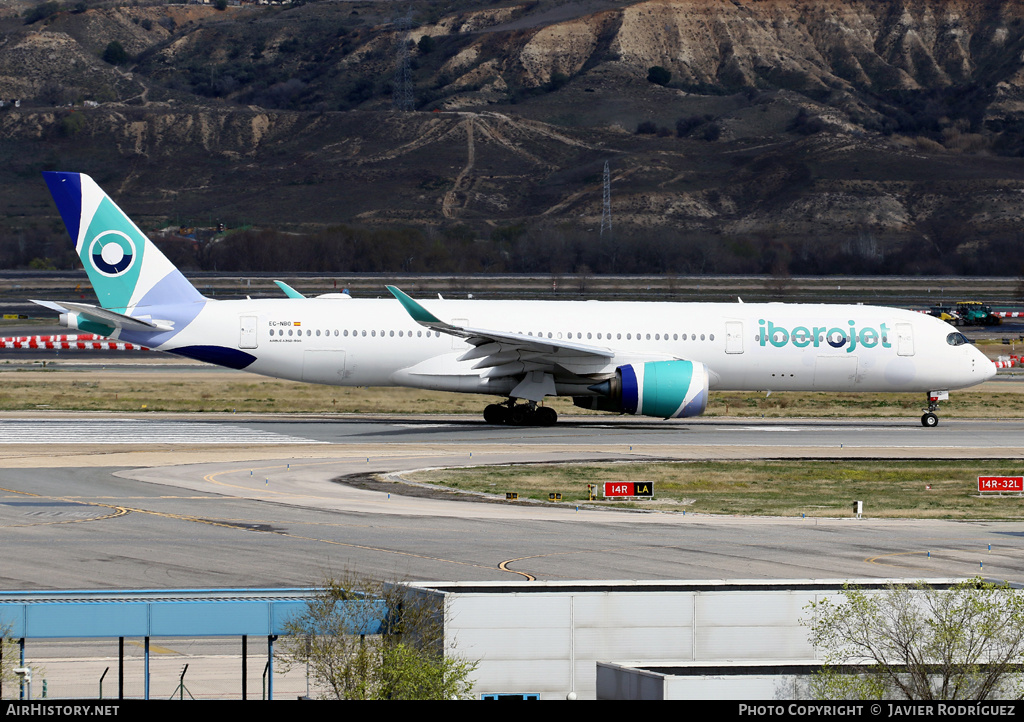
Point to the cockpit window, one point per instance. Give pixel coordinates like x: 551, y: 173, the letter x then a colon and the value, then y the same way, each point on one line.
x: 957, y: 339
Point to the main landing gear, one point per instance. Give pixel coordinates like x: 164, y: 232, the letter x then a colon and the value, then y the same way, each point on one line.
x: 528, y: 414
x: 929, y: 419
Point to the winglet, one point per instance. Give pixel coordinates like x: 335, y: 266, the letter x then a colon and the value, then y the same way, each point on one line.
x: 418, y: 313
x: 288, y: 290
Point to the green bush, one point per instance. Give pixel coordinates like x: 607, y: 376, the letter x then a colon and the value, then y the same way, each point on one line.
x: 658, y: 75
x: 115, y: 54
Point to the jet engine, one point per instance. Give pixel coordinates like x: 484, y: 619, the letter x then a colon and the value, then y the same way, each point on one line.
x: 667, y: 389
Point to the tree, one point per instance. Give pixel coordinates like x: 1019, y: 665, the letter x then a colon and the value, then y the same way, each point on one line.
x: 115, y: 54
x: 426, y: 44
x: 966, y: 642
x: 363, y: 639
x: 658, y: 75
x: 8, y: 661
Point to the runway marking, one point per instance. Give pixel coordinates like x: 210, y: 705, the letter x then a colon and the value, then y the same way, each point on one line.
x: 153, y: 648
x: 118, y: 511
x: 211, y: 478
x: 123, y: 510
x: 504, y: 567
x: 133, y: 432
x: 874, y: 560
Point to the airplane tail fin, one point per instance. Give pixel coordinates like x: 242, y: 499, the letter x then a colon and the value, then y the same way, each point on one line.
x: 125, y: 268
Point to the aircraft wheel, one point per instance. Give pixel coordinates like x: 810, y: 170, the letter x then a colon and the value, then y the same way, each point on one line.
x: 521, y: 415
x: 546, y: 416
x: 495, y: 414
x: 929, y: 420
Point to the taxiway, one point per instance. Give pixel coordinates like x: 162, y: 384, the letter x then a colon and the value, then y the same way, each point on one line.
x: 116, y: 502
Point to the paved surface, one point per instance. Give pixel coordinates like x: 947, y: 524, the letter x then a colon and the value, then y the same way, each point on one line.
x: 740, y: 438
x: 265, y: 512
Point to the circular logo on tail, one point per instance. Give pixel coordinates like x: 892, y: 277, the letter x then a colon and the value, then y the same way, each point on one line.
x: 112, y: 253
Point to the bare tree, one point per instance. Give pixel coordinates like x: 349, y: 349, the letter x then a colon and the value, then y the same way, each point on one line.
x: 363, y: 639
x: 8, y: 662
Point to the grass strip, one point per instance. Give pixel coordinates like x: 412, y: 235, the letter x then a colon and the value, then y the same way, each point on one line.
x: 202, y: 391
x: 917, y: 489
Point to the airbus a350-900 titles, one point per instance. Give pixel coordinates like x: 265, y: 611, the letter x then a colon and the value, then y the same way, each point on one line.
x: 645, y: 358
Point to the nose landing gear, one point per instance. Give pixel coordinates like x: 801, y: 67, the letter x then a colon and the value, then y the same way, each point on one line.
x: 528, y: 414
x: 929, y: 419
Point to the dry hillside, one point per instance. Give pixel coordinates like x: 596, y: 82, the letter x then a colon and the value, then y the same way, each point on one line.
x: 777, y: 135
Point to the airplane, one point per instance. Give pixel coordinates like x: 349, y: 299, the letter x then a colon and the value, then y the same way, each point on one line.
x: 654, y: 359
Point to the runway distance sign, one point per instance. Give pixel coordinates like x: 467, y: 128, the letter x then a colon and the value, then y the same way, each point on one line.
x: 1001, y: 483
x: 628, y: 488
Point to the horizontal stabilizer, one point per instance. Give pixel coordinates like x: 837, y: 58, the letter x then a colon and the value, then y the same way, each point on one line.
x: 105, y: 316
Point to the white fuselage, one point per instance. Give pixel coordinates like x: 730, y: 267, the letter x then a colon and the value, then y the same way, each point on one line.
x: 776, y: 347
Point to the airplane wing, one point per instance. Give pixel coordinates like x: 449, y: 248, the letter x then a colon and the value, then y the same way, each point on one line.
x: 502, y: 353
x: 105, y: 316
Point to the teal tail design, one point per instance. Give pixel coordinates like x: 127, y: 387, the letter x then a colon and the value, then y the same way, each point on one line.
x: 127, y: 271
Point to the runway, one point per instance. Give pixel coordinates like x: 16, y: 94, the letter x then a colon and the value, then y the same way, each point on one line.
x: 751, y: 438
x: 138, y: 502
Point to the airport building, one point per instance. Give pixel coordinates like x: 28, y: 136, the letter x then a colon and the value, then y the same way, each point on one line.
x: 714, y: 639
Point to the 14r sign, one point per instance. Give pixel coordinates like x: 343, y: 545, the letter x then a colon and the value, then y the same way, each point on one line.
x: 628, y: 488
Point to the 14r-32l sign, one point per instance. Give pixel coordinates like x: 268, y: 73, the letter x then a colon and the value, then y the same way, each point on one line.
x: 1001, y: 483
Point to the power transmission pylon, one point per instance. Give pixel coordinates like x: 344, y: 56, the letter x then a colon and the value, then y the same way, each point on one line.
x: 606, y: 210
x: 401, y: 89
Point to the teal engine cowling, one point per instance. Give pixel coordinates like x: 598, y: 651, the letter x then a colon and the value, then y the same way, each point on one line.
x: 667, y: 389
